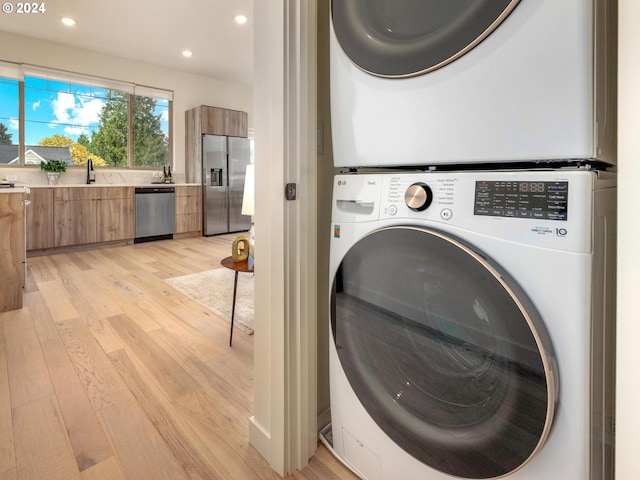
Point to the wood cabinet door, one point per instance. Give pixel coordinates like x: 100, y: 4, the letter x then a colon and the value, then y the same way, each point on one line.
x: 115, y: 214
x: 222, y: 121
x: 115, y: 219
x: 40, y: 219
x: 188, y: 208
x: 12, y: 253
x: 212, y: 120
x: 75, y: 222
x: 238, y: 124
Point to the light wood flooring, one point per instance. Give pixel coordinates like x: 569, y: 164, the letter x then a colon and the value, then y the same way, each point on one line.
x: 107, y: 373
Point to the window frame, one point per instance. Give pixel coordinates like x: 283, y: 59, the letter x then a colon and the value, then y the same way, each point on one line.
x: 16, y: 71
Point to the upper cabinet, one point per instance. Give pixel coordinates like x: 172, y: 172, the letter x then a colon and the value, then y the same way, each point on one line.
x: 208, y: 120
x: 220, y: 121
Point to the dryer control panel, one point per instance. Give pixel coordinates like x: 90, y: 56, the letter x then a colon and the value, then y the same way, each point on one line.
x: 516, y: 199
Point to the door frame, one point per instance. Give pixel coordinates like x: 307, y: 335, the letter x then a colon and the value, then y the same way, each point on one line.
x: 284, y: 425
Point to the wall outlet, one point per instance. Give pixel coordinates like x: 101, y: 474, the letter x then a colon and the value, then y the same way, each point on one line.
x: 12, y: 178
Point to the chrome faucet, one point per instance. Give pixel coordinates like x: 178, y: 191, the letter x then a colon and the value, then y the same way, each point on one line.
x: 90, y: 176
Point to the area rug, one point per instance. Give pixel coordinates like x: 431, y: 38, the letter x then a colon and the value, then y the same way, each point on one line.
x: 213, y: 289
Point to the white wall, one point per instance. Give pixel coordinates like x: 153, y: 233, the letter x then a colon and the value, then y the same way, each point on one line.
x: 189, y: 90
x: 628, y: 343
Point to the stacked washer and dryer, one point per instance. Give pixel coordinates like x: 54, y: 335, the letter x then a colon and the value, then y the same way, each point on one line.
x: 472, y: 260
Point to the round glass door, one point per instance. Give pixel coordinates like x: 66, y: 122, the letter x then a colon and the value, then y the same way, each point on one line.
x: 399, y: 38
x: 445, y: 353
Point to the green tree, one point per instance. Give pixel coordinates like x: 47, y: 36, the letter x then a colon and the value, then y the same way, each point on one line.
x: 150, y: 144
x: 109, y: 141
x: 5, y: 138
x: 84, y: 140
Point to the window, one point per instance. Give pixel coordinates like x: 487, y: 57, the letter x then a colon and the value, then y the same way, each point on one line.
x: 72, y: 118
x: 9, y: 125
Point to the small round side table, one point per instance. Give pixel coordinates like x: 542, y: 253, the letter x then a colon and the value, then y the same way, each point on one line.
x: 237, y: 267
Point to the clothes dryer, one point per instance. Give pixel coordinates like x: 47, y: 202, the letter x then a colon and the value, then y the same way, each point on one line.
x: 429, y: 82
x: 472, y: 325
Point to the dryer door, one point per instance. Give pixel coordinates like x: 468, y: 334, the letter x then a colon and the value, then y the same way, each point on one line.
x: 399, y: 38
x: 444, y: 352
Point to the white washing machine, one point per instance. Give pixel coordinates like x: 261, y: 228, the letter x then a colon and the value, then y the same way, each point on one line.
x: 426, y: 82
x: 472, y: 324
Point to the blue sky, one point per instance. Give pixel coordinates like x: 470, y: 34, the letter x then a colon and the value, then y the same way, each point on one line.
x: 55, y: 108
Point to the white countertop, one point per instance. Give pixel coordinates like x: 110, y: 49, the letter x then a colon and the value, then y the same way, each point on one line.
x: 16, y: 189
x: 94, y: 185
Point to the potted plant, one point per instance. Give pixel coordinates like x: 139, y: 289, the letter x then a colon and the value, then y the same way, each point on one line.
x: 53, y: 169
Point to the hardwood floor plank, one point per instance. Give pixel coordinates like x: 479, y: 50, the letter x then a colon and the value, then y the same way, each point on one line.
x: 9, y: 475
x: 41, y: 269
x: 87, y: 438
x: 124, y: 294
x: 141, y: 451
x: 7, y: 451
x: 174, y: 379
x: 120, y: 288
x: 222, y: 381
x: 184, y: 343
x: 99, y: 327
x: 179, y: 437
x: 28, y: 374
x: 100, y: 381
x: 43, y: 450
x: 40, y: 316
x: 213, y: 327
x: 226, y: 436
x: 79, y: 261
x: 57, y: 300
x: 106, y: 470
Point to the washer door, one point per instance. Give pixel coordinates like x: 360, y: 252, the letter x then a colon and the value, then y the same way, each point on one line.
x: 399, y: 38
x: 444, y: 352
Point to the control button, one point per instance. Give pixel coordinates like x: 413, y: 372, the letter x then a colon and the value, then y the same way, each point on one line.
x: 418, y: 196
x: 393, y: 210
x: 446, y: 214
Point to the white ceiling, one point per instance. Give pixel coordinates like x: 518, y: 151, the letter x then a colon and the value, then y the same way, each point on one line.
x: 152, y: 31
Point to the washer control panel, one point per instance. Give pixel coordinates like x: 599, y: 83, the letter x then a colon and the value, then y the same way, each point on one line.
x: 521, y: 206
x: 531, y: 199
x: 434, y: 196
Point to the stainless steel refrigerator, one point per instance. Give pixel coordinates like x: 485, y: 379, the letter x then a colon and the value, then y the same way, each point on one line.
x: 224, y: 163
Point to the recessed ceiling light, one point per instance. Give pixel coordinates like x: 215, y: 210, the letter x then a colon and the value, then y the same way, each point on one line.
x: 68, y: 21
x: 187, y: 53
x: 241, y: 19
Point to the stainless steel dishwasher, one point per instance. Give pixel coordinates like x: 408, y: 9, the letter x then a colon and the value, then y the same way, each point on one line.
x: 155, y: 213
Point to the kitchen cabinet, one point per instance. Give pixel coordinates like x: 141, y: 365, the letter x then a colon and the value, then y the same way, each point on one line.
x: 188, y: 209
x: 40, y: 219
x: 221, y: 121
x: 12, y: 253
x: 93, y: 214
x: 209, y: 120
x: 115, y: 214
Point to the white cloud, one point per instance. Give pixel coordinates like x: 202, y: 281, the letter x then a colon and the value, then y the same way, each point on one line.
x: 76, y: 111
x: 36, y: 105
x: 76, y: 130
x: 14, y: 124
x: 64, y: 104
